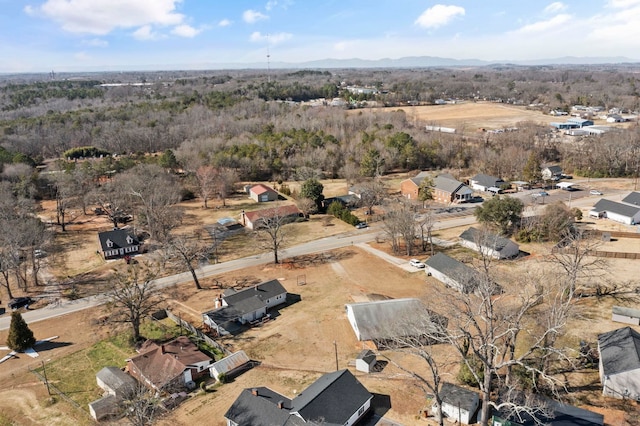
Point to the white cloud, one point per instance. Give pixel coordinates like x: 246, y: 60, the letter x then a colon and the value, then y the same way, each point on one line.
x: 619, y: 4
x: 224, y: 23
x: 555, y: 7
x: 272, y: 39
x: 82, y: 56
x: 95, y: 42
x: 252, y: 16
x: 271, y: 4
x: 145, y: 33
x: 185, y: 31
x: 549, y: 24
x: 103, y: 16
x: 284, y: 4
x: 439, y: 15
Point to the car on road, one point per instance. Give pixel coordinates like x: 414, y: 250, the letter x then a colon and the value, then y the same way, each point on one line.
x: 361, y: 225
x: 416, y: 263
x: 540, y: 194
x: 19, y: 302
x: 595, y: 192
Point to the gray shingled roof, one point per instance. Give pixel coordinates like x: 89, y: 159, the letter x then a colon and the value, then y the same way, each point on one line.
x: 494, y: 241
x: 487, y: 180
x: 619, y: 350
x: 116, y: 380
x: 262, y: 410
x: 627, y: 210
x: 118, y: 237
x: 367, y: 356
x: 630, y: 312
x: 262, y: 292
x: 447, y: 183
x: 633, y: 198
x: 458, y: 397
x: 333, y: 398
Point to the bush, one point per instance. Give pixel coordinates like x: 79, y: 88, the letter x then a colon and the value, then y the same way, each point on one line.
x: 465, y: 376
x: 222, y: 378
x: 85, y: 152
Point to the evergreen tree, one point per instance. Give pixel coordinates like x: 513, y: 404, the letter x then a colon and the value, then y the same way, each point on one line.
x: 20, y: 335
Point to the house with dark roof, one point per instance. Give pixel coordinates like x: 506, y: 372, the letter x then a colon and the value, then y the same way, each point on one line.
x: 254, y: 219
x: 382, y: 321
x: 452, y: 272
x: 116, y: 385
x: 235, y: 308
x: 336, y: 398
x: 169, y: 366
x: 482, y: 182
x: 620, y: 363
x: 446, y: 189
x: 262, y: 193
x: 489, y: 244
x: 550, y: 172
x: 459, y: 404
x: 556, y: 414
x: 632, y: 198
x: 629, y: 214
x: 118, y: 243
x: 410, y: 188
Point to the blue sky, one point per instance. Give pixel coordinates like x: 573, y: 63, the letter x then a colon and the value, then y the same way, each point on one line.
x: 62, y: 35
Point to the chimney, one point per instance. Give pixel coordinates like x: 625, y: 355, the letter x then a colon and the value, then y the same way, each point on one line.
x: 254, y: 392
x: 281, y: 404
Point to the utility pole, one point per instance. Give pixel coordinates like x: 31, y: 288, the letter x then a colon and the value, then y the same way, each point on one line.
x: 335, y: 347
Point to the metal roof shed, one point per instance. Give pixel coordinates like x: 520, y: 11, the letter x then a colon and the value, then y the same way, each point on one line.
x: 564, y: 185
x: 228, y: 364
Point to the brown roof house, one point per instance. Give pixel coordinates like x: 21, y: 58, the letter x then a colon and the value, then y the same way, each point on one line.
x: 410, y: 188
x: 170, y: 366
x: 254, y: 219
x: 262, y: 193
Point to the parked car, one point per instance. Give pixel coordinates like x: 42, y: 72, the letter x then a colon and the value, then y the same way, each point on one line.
x: 416, y: 264
x: 39, y: 254
x: 20, y: 302
x: 595, y: 192
x: 540, y: 194
x: 361, y: 225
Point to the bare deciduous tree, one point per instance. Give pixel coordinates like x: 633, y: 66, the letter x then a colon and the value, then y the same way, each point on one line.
x: 206, y: 178
x: 372, y: 193
x: 400, y: 221
x: 271, y: 230
x: 189, y: 250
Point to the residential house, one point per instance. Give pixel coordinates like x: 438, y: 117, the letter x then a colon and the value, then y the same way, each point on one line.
x: 241, y: 307
x: 348, y: 200
x: 446, y: 189
x: 382, y: 321
x: 625, y: 315
x: 482, y: 182
x: 410, y: 188
x: 253, y: 220
x: 452, y: 272
x: 356, y: 190
x: 550, y: 172
x: 336, y: 398
x: 629, y: 214
x: 459, y: 404
x: 169, y: 366
x: 558, y: 414
x: 489, y: 244
x: 262, y: 193
x: 366, y: 361
x: 118, y: 243
x: 620, y: 363
x: 229, y: 365
x: 116, y: 385
x: 632, y: 198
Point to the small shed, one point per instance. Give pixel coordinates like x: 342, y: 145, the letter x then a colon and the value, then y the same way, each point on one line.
x: 105, y: 407
x: 625, y: 315
x: 262, y: 193
x: 459, y: 404
x: 229, y: 365
x: 366, y: 361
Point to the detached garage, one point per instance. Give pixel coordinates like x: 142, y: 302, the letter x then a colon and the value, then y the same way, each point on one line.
x: 618, y: 212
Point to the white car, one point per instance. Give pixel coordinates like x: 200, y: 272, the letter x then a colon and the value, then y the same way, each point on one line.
x: 595, y: 192
x: 416, y: 263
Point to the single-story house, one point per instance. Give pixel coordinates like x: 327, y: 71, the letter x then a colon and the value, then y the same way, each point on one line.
x: 620, y: 363
x: 459, y: 404
x: 116, y: 385
x: 558, y: 414
x: 244, y: 306
x: 253, y: 220
x: 446, y: 189
x: 482, y: 182
x: 452, y: 272
x: 550, y: 172
x: 356, y: 190
x: 169, y: 366
x: 625, y: 315
x: 118, y: 243
x: 336, y: 398
x: 229, y: 365
x: 632, y: 198
x: 382, y: 321
x: 366, y: 361
x: 410, y: 188
x: 628, y: 214
x: 262, y: 193
x: 348, y: 200
x: 490, y: 244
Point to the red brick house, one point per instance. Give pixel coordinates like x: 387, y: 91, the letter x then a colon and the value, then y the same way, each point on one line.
x: 410, y: 188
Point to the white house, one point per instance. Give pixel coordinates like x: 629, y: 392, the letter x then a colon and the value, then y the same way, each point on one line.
x: 489, y: 244
x: 459, y: 404
x: 628, y: 214
x: 620, y: 363
x: 451, y: 272
x: 482, y: 182
x: 551, y: 171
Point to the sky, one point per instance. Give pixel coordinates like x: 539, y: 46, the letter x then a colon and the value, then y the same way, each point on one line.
x: 93, y: 35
